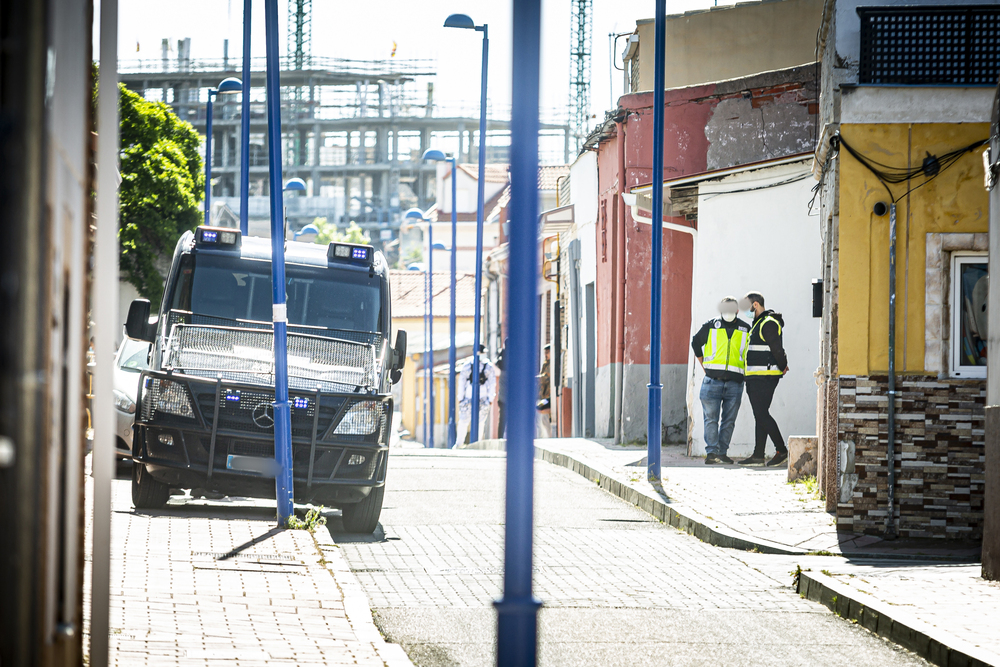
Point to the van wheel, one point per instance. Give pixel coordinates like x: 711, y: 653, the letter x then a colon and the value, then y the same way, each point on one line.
x: 363, y: 517
x: 147, y: 493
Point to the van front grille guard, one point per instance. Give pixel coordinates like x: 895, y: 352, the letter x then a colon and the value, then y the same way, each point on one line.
x: 339, y: 426
x: 247, y: 355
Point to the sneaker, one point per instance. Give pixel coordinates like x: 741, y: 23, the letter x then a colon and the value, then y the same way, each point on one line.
x: 725, y: 459
x: 711, y: 459
x: 752, y: 461
x: 778, y: 459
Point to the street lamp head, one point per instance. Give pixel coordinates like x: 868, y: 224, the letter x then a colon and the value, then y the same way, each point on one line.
x: 434, y: 155
x: 295, y: 185
x: 230, y: 85
x: 460, y: 21
x: 414, y: 214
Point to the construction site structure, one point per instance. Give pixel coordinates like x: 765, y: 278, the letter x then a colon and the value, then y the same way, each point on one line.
x: 581, y: 27
x: 353, y: 130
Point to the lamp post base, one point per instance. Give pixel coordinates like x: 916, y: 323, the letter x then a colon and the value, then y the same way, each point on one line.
x: 517, y: 631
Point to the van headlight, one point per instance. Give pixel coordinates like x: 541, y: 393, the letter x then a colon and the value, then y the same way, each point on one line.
x: 123, y: 402
x: 362, y: 418
x: 166, y: 396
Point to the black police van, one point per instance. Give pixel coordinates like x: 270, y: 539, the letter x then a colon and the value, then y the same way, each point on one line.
x: 205, y: 417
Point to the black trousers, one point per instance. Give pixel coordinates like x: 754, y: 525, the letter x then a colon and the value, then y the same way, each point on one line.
x: 502, y: 419
x: 760, y: 391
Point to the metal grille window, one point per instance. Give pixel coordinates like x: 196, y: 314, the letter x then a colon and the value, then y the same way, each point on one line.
x: 930, y: 45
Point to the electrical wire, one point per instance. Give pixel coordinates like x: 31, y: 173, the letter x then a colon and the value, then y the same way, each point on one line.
x: 932, y: 166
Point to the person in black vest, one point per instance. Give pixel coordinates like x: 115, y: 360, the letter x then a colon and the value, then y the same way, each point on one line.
x: 766, y: 365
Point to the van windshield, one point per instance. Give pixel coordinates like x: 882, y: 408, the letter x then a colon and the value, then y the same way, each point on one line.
x: 240, y: 289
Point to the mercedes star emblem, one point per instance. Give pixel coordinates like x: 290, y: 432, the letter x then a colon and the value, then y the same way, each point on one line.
x: 263, y: 415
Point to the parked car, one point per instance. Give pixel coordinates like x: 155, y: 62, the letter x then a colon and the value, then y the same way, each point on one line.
x: 131, y: 359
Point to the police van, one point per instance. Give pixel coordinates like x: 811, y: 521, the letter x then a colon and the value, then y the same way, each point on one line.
x: 205, y: 414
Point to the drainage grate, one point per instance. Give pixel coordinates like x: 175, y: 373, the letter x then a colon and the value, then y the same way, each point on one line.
x: 226, y: 555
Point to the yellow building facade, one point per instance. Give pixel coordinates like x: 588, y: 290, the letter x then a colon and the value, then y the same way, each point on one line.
x: 931, y: 141
x: 954, y: 202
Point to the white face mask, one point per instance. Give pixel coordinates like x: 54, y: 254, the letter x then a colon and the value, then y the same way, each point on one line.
x: 729, y: 317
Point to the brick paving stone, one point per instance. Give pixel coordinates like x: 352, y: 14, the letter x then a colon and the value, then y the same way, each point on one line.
x: 213, y: 583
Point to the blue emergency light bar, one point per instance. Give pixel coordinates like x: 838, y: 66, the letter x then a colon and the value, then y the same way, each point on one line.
x: 218, y: 237
x: 350, y: 252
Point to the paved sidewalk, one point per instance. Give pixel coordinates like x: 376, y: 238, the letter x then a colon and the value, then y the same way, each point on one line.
x: 742, y: 506
x: 942, y: 611
x: 215, y: 583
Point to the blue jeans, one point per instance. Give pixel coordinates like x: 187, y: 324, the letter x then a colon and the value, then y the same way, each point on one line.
x: 720, y: 396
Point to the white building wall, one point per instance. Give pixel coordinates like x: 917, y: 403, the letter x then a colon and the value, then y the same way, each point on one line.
x: 583, y: 192
x: 764, y: 241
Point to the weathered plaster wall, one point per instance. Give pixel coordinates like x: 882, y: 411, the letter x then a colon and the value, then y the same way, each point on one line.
x: 699, y: 137
x: 729, y: 42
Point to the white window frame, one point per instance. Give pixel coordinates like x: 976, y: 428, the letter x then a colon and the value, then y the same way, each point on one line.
x: 955, y: 304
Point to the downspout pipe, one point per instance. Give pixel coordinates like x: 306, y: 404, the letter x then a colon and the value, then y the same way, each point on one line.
x: 890, y: 529
x: 619, y: 326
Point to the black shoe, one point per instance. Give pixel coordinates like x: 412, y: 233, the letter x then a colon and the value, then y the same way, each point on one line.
x: 778, y: 459
x: 752, y: 461
x: 725, y: 459
x: 711, y: 459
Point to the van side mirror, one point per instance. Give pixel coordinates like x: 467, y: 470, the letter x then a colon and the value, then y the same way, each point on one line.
x: 398, y: 357
x: 137, y: 324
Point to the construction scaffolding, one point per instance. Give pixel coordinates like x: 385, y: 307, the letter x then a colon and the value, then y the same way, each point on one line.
x: 354, y: 131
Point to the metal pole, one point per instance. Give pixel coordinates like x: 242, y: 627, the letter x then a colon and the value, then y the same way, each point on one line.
x: 890, y: 529
x: 654, y: 431
x: 430, y: 331
x: 105, y: 305
x: 245, y: 126
x: 427, y: 355
x: 517, y: 610
x: 452, y: 436
x: 282, y: 413
x: 479, y: 234
x: 208, y: 158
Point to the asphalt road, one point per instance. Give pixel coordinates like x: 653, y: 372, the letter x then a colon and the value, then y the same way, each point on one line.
x: 618, y: 587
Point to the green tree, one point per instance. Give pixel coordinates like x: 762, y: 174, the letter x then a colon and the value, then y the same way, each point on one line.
x: 161, y: 189
x: 328, y: 233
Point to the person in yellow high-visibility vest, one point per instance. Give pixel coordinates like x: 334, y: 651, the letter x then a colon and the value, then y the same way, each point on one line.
x: 721, y: 348
x: 766, y: 365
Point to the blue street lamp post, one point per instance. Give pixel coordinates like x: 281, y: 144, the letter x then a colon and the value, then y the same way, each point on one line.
x: 517, y: 610
x: 245, y: 126
x: 654, y: 432
x: 430, y: 333
x: 433, y: 155
x: 417, y: 215
x: 229, y: 85
x: 464, y: 22
x: 284, y: 481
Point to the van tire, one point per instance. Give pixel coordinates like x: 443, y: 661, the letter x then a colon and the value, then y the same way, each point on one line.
x: 147, y: 493
x: 363, y: 517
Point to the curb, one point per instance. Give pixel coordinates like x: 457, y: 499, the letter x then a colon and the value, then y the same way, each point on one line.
x: 356, y: 606
x: 679, y: 516
x: 691, y: 520
x: 892, y: 623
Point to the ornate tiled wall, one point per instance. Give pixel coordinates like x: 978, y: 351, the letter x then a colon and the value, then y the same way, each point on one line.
x: 939, y: 456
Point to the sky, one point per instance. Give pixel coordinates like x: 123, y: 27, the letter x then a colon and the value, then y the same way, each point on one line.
x: 367, y: 29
